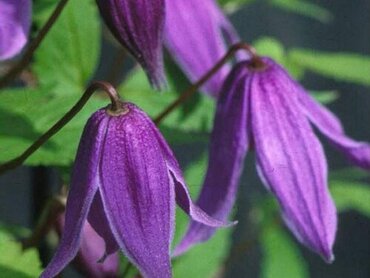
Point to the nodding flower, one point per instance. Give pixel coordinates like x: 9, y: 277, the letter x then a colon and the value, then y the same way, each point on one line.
x: 138, y: 26
x: 125, y: 184
x: 262, y: 108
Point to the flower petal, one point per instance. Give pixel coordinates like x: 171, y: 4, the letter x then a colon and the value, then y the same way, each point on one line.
x: 90, y: 252
x: 136, y: 193
x: 84, y: 184
x: 291, y: 161
x: 229, y: 144
x: 138, y: 25
x: 194, y: 36
x: 14, y: 26
x: 183, y: 198
x: 357, y: 152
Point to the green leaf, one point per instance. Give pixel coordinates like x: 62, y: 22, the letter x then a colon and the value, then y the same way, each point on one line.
x: 348, y: 67
x: 281, y: 255
x: 14, y: 262
x: 305, y: 8
x: 68, y: 56
x: 203, y: 260
x: 137, y: 90
x: 231, y: 6
x: 351, y: 196
x: 25, y: 114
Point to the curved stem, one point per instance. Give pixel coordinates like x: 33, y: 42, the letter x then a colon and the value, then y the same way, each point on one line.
x: 115, y: 108
x: 15, y: 70
x: 256, y: 61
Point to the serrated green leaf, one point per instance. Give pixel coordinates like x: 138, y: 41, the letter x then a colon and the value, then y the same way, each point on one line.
x: 14, y: 262
x: 348, y: 67
x: 68, y: 56
x: 351, y: 195
x: 305, y: 8
x: 281, y: 257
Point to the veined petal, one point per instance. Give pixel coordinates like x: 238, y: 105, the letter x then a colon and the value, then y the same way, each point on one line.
x: 136, y: 193
x: 229, y: 144
x: 183, y: 198
x: 84, y: 184
x: 138, y: 25
x: 291, y: 161
x: 329, y: 125
x: 15, y: 24
x: 194, y: 36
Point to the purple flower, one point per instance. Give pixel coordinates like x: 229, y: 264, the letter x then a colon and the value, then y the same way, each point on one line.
x: 15, y: 21
x: 90, y: 252
x: 194, y: 35
x: 138, y: 26
x: 124, y: 183
x: 264, y: 109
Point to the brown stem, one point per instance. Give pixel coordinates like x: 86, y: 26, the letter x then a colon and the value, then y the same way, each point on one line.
x: 256, y: 61
x: 115, y: 109
x: 15, y: 70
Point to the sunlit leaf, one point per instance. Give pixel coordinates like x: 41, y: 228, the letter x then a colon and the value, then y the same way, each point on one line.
x: 14, y: 262
x: 348, y: 67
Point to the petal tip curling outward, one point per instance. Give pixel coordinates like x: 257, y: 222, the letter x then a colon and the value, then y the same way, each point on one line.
x: 291, y: 160
x: 14, y: 26
x: 327, y: 123
x: 138, y: 26
x: 194, y: 36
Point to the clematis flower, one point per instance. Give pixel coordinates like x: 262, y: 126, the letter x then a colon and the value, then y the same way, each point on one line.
x: 124, y: 184
x: 197, y: 35
x: 90, y: 252
x: 15, y: 22
x: 263, y: 108
x: 138, y: 26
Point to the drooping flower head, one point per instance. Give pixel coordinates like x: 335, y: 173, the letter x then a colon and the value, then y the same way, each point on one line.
x: 138, y: 26
x: 15, y: 22
x: 197, y: 35
x: 264, y: 109
x: 88, y: 260
x: 125, y: 183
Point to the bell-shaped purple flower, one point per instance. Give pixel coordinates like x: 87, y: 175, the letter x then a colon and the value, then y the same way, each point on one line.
x: 125, y: 183
x: 265, y: 109
x: 15, y: 22
x: 90, y: 252
x: 138, y: 26
x: 197, y: 35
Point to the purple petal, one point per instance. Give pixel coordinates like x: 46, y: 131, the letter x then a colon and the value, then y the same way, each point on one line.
x: 183, y: 198
x: 15, y: 24
x: 136, y: 192
x: 84, y: 184
x: 357, y: 152
x: 90, y: 252
x: 291, y: 161
x: 229, y: 144
x: 194, y: 36
x: 138, y: 26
